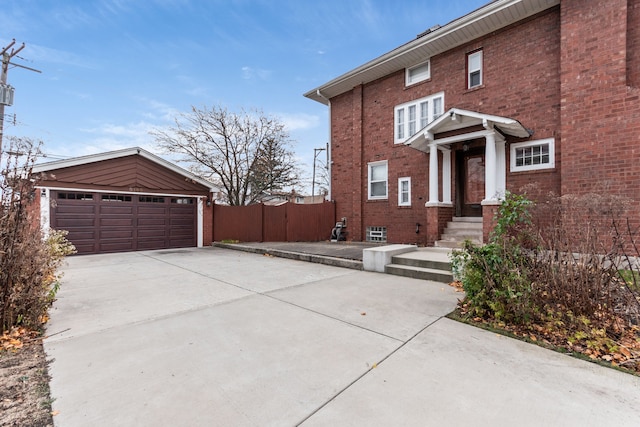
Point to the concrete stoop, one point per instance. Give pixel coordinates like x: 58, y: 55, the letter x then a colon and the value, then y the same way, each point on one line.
x: 459, y: 230
x: 410, y: 261
x: 424, y: 263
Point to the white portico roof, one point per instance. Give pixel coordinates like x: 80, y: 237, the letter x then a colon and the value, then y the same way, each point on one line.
x: 456, y: 119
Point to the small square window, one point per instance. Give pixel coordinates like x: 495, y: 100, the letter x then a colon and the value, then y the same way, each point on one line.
x: 404, y: 191
x: 532, y: 155
x: 474, y: 69
x: 376, y: 234
x: 418, y: 73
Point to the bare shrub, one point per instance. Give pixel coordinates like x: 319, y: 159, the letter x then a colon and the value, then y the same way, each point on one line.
x: 28, y: 263
x: 565, y: 267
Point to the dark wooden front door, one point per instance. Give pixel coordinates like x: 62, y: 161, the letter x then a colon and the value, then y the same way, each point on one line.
x: 469, y: 182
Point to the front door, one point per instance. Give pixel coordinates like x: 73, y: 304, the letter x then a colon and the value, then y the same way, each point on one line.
x: 469, y: 182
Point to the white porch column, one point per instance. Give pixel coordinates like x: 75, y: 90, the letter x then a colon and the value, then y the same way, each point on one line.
x: 45, y: 211
x: 490, y: 168
x: 501, y: 167
x: 446, y: 176
x: 433, y: 174
x: 201, y: 201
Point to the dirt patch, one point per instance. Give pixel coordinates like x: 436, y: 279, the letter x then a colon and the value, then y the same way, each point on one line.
x: 24, y: 385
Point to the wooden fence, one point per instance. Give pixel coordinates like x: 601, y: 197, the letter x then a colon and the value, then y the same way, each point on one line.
x: 289, y: 222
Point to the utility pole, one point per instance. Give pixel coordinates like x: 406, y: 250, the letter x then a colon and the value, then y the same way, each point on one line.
x: 313, y: 184
x: 6, y: 91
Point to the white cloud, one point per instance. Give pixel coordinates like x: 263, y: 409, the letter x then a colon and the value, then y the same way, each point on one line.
x: 109, y: 136
x: 39, y: 53
x: 300, y: 121
x: 249, y: 73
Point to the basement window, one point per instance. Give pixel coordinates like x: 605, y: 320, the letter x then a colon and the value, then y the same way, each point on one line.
x: 376, y: 234
x: 532, y: 155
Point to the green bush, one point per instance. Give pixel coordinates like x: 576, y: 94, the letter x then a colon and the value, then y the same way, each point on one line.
x: 494, y: 276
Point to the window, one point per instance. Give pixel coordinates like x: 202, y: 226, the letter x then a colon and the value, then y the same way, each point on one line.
x: 419, y: 73
x: 75, y: 196
x: 150, y: 199
x: 182, y: 201
x: 404, y: 191
x: 378, y: 180
x: 415, y: 115
x: 376, y: 234
x: 474, y: 69
x: 115, y: 198
x: 532, y: 155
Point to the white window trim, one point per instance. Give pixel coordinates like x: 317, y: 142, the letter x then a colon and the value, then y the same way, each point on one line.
x: 408, y: 80
x: 552, y: 157
x: 400, y: 181
x: 470, y: 70
x: 403, y: 110
x: 386, y: 182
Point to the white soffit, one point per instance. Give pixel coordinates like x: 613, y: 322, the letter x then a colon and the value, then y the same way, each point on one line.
x: 494, y: 16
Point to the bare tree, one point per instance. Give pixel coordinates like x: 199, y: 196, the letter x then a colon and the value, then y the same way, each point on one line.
x: 247, y: 154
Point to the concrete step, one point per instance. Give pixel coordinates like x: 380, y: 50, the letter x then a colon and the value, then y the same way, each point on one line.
x: 420, y: 273
x: 467, y: 219
x: 460, y: 229
x: 473, y: 226
x: 450, y: 244
x: 424, y: 263
x: 462, y: 232
x: 421, y: 262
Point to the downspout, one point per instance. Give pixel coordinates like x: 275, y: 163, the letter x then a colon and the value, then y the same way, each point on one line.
x: 329, y: 161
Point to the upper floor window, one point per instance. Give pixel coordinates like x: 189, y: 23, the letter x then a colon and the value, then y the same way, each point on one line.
x: 532, y: 155
x: 415, y: 115
x: 378, y: 180
x: 418, y: 73
x: 474, y: 69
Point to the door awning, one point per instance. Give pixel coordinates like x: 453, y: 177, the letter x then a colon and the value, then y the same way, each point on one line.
x: 457, y: 119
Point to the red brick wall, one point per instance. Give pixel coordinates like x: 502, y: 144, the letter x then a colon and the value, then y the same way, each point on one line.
x: 521, y: 81
x: 633, y: 43
x: 600, y: 113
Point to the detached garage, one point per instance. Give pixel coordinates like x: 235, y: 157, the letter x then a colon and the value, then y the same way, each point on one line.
x: 126, y: 200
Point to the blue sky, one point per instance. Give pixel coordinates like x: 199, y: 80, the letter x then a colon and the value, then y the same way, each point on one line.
x: 114, y: 69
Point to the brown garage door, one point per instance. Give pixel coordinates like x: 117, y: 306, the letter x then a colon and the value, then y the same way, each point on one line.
x: 100, y: 223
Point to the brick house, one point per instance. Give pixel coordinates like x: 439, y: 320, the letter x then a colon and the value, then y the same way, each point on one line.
x: 514, y: 93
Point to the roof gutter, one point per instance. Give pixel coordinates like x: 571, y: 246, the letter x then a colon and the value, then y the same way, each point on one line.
x: 438, y: 33
x: 327, y: 102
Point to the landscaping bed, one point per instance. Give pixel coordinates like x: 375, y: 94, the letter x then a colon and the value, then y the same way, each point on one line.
x: 24, y: 380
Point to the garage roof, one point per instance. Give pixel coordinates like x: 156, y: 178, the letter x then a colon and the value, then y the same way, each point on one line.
x: 495, y: 15
x: 92, y: 158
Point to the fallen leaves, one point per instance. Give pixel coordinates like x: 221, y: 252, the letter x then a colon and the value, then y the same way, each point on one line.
x: 15, y: 338
x: 457, y: 285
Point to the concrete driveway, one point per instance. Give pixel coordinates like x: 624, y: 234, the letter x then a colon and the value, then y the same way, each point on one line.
x: 215, y: 337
